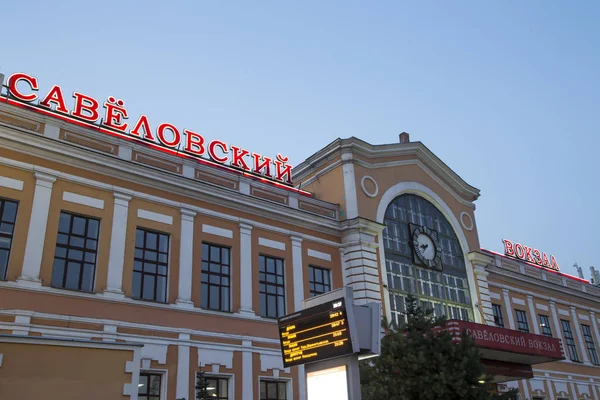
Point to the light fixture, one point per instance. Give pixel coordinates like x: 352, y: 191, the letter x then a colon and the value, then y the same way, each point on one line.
x: 481, y: 381
x: 140, y: 384
x: 210, y: 388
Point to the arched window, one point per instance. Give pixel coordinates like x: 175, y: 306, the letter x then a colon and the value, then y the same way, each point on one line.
x: 437, y: 276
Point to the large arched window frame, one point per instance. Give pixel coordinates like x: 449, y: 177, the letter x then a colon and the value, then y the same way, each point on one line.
x: 454, y: 294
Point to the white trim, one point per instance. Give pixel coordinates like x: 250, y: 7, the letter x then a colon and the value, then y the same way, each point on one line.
x: 362, y: 185
x: 541, y: 307
x: 425, y: 192
x: 350, y: 194
x: 156, y: 217
x: 583, y: 317
x: 11, y: 183
x: 247, y: 373
x: 183, y: 368
x: 271, y: 243
x: 83, y: 200
x: 246, y: 270
x: 1, y: 356
x: 318, y: 254
x: 186, y: 258
x: 518, y: 301
x: 495, y: 296
x: 297, y: 272
x: 563, y: 312
x: 214, y: 230
x: 116, y: 255
x: 215, y: 356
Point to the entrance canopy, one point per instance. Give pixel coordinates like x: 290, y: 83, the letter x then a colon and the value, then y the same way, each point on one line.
x: 508, y: 354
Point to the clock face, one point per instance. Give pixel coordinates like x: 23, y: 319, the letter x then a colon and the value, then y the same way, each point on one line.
x: 426, y: 246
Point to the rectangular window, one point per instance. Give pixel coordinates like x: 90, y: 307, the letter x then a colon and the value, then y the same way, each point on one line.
x: 273, y: 390
x: 569, y: 340
x: 217, y: 388
x: 215, y: 277
x: 589, y: 342
x: 8, y: 216
x: 150, y: 265
x: 271, y: 287
x: 76, y: 250
x: 522, y: 323
x: 150, y: 386
x: 498, y: 320
x: 545, y: 325
x: 319, y: 280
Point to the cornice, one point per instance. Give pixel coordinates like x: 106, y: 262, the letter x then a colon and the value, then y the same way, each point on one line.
x: 86, y: 159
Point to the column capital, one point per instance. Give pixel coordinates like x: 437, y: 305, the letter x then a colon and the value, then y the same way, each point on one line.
x: 187, y: 214
x: 43, y: 179
x: 529, y: 297
x: 121, y: 199
x: 245, y: 229
x: 573, y: 309
x: 592, y: 313
x: 296, y: 240
x: 552, y: 303
x: 505, y: 291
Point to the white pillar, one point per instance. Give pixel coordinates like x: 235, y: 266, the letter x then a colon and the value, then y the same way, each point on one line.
x: 349, y: 186
x: 509, y: 314
x: 298, y: 273
x: 247, y: 374
x: 183, y: 367
x: 186, y: 252
x: 582, y: 346
x: 246, y: 269
x: 558, y: 328
x: 534, y: 319
x: 34, y: 246
x: 116, y: 257
x: 595, y: 331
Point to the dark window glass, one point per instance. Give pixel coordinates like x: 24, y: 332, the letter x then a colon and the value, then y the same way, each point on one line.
x: 216, y: 277
x: 545, y: 325
x: 498, y: 320
x: 319, y: 280
x: 569, y: 340
x: 522, y: 323
x: 76, y: 251
x: 271, y: 287
x: 447, y: 291
x: 150, y: 265
x: 273, y: 390
x: 589, y: 342
x: 217, y: 388
x: 150, y: 386
x: 8, y: 216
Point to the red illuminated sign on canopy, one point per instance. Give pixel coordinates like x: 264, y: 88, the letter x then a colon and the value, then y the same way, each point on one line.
x: 113, y: 116
x: 529, y: 254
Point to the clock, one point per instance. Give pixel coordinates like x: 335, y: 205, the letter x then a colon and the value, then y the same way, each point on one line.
x: 426, y: 247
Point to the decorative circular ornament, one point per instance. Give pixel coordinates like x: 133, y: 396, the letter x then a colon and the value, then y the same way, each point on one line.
x: 362, y: 185
x: 466, y: 221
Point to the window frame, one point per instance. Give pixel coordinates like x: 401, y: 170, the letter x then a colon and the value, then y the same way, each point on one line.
x: 164, y: 380
x: 590, y: 344
x: 498, y: 317
x: 522, y: 325
x: 546, y: 328
x: 11, y: 236
x: 571, y: 348
x: 288, y: 385
x: 265, y: 282
x: 220, y: 274
x: 324, y: 272
x: 158, y: 264
x: 218, y: 376
x: 68, y: 248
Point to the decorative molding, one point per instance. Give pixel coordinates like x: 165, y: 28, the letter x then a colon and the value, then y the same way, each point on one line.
x: 83, y: 200
x: 583, y: 317
x: 271, y: 243
x: 214, y: 356
x: 268, y: 362
x: 541, y: 307
x: 318, y: 254
x: 11, y: 183
x: 495, y: 296
x: 362, y: 185
x: 518, y: 301
x: 467, y: 225
x: 152, y: 216
x: 214, y: 230
x: 563, y: 312
x: 155, y: 352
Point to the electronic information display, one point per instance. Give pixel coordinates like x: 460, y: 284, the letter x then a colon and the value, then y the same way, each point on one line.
x: 315, y: 334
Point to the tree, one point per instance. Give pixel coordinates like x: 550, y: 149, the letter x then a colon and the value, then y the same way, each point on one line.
x: 420, y: 362
x: 201, y: 387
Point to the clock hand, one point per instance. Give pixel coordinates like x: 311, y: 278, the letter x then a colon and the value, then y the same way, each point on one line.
x: 424, y: 246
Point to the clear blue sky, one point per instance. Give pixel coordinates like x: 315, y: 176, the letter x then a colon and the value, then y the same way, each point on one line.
x: 507, y: 93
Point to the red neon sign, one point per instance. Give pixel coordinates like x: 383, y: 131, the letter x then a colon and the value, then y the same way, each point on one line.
x: 167, y: 137
x: 529, y: 254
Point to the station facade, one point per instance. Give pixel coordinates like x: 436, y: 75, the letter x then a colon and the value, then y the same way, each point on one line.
x: 138, y: 258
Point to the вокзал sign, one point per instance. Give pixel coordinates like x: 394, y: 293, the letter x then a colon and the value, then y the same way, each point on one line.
x: 113, y: 116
